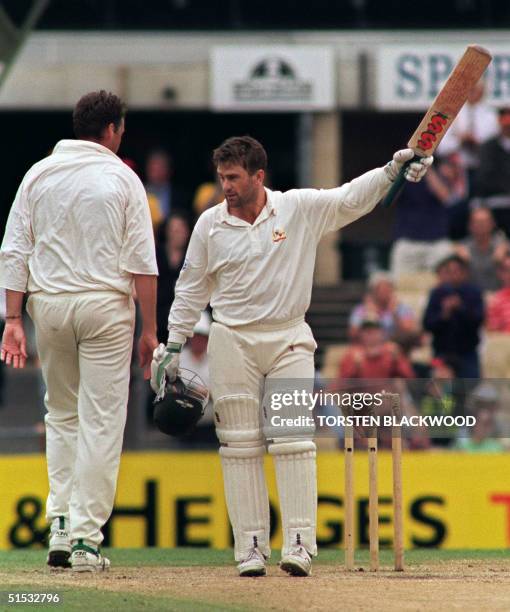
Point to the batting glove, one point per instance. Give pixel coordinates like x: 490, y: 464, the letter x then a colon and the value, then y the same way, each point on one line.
x: 164, y: 365
x: 414, y: 172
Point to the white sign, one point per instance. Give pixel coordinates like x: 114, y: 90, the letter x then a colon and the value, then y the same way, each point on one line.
x: 272, y: 78
x: 410, y: 76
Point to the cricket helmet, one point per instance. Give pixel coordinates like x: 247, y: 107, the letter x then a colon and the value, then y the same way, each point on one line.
x: 181, y: 404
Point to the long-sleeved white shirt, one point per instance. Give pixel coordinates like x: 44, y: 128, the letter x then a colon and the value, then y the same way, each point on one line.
x: 80, y: 221
x: 263, y: 273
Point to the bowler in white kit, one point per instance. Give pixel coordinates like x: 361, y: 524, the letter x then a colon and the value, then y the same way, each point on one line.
x: 78, y: 239
x: 252, y: 257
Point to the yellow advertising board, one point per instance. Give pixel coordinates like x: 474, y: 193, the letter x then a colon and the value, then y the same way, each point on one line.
x: 451, y: 500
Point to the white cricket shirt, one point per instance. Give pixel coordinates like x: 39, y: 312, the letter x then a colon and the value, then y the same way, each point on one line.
x: 80, y: 221
x: 263, y: 273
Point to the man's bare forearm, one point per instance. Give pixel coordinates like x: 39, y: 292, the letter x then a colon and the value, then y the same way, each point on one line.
x: 146, y: 291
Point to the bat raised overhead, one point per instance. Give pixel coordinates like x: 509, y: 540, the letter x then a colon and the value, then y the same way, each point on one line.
x: 444, y: 109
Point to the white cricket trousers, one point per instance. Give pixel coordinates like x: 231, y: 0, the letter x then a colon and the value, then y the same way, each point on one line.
x: 84, y: 341
x: 241, y: 360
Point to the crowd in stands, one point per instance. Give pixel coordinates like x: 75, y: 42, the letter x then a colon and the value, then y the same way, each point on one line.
x: 432, y: 356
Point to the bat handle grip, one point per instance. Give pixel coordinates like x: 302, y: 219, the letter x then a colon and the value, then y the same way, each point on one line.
x: 398, y: 184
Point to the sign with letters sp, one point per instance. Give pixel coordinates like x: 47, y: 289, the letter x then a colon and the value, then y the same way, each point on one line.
x: 410, y: 76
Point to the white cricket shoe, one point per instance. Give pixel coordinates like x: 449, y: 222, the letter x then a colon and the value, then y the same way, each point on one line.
x: 85, y: 558
x: 59, y: 549
x: 297, y: 562
x: 254, y: 564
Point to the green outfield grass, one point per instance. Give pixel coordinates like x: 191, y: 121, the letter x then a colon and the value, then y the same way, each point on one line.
x: 82, y: 599
x: 208, y: 557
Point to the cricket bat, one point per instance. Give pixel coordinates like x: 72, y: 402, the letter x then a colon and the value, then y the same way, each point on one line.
x: 443, y: 110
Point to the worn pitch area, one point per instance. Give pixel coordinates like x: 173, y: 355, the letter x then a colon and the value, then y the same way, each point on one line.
x: 173, y: 579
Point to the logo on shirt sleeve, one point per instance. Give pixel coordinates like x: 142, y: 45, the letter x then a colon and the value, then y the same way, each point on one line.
x: 279, y: 235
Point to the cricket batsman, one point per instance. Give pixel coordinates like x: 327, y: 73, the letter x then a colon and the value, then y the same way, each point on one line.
x: 252, y: 257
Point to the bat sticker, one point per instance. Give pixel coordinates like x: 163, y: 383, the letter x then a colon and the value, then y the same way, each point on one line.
x: 435, y: 126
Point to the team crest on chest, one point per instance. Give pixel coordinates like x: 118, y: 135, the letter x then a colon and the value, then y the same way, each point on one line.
x: 279, y: 235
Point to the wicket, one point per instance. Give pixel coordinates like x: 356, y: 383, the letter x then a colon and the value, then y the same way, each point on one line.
x: 373, y: 501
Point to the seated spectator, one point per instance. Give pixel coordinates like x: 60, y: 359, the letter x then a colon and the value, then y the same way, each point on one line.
x: 454, y: 315
x: 380, y: 302
x: 162, y: 193
x: 492, y: 179
x: 373, y: 356
x: 366, y: 367
x: 439, y: 396
x: 483, y: 249
x: 484, y: 404
x: 173, y: 237
x: 498, y: 312
x: 422, y: 221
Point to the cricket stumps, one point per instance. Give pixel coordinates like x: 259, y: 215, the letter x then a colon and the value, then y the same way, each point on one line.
x: 391, y: 404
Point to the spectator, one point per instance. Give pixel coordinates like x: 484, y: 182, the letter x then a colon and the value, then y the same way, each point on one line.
x: 483, y: 249
x: 397, y: 319
x: 475, y: 124
x: 485, y: 405
x: 481, y: 440
x: 439, y: 396
x: 162, y: 194
x: 373, y: 356
x: 170, y: 253
x: 454, y: 315
x: 455, y: 176
x: 422, y: 221
x: 209, y: 193
x: 498, y: 315
x: 374, y: 360
x: 492, y: 180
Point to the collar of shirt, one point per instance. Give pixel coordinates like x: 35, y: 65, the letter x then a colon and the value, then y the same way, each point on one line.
x: 81, y: 146
x: 268, y: 210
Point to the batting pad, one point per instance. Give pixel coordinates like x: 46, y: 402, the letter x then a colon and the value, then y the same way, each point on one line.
x: 242, y: 451
x: 246, y: 497
x: 296, y: 478
x: 237, y: 419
